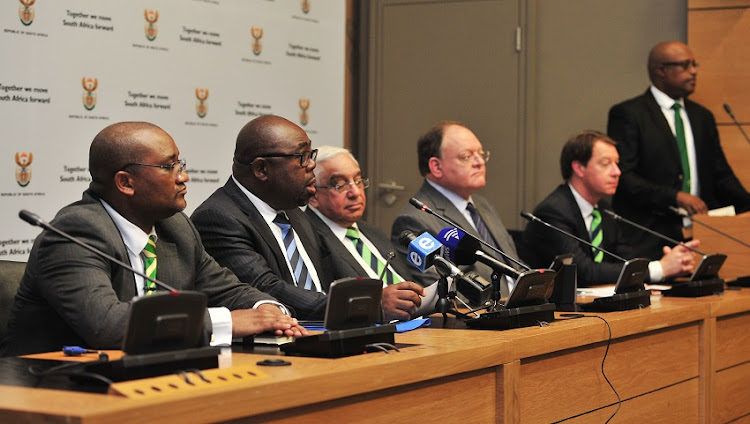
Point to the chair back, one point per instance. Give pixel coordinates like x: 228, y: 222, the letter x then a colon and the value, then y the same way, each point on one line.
x: 11, y: 273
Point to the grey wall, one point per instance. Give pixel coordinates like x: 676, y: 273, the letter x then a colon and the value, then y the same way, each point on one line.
x: 583, y: 57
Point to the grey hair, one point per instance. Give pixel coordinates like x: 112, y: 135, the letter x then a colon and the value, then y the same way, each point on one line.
x: 327, y: 152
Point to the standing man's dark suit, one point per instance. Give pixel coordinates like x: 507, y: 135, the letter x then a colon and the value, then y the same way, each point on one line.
x: 71, y: 296
x: 561, y: 210
x: 410, y: 218
x: 236, y: 235
x: 343, y: 264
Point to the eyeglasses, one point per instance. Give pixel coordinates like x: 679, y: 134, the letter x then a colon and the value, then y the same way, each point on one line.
x: 685, y: 64
x: 361, y: 183
x: 304, y: 157
x: 178, y: 166
x: 467, y: 157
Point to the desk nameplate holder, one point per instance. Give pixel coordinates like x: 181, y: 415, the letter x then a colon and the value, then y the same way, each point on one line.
x: 188, y: 382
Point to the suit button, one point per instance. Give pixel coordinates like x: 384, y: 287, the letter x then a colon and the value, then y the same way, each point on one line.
x: 680, y: 177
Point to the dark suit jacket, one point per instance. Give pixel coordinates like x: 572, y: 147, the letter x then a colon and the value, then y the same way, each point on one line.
x: 235, y: 234
x: 652, y: 171
x: 409, y: 218
x: 343, y: 263
x: 561, y: 210
x: 71, y: 296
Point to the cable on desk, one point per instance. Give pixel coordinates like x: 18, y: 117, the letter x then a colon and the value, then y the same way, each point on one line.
x: 69, y: 370
x: 606, y: 351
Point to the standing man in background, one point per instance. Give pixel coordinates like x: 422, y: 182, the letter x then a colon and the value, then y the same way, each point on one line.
x: 670, y: 153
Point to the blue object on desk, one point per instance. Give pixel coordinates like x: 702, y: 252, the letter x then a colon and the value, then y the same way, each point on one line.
x: 403, y: 327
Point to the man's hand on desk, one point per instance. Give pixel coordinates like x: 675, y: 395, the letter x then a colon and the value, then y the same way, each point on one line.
x: 265, y: 318
x: 401, y: 300
x: 678, y: 260
x: 690, y: 203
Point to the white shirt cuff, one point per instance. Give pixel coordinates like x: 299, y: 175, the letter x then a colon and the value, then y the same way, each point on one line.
x: 221, y: 320
x: 284, y: 309
x: 655, y: 272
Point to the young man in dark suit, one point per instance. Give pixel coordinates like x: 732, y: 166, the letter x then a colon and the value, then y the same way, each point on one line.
x: 589, y: 165
x: 358, y: 249
x: 133, y: 208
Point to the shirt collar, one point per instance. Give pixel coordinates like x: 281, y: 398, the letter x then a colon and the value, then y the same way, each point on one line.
x: 585, y: 207
x: 133, y: 237
x: 266, y: 211
x: 664, y: 101
x: 459, y: 202
x: 338, y: 230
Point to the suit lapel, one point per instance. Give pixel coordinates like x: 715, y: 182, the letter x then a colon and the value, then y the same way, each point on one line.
x: 660, y: 122
x: 444, y: 207
x: 255, y: 220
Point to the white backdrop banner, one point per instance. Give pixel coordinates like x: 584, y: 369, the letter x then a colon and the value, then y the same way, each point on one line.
x: 200, y: 69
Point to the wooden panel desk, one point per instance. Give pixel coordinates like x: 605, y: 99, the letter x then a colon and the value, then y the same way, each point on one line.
x: 673, y: 362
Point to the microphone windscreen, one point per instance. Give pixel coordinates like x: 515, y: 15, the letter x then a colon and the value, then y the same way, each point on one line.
x: 406, y: 237
x: 416, y: 203
x: 30, y: 217
x: 460, y: 247
x: 422, y: 251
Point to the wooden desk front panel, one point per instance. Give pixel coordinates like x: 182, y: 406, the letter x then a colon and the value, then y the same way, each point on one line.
x: 732, y: 364
x: 569, y: 383
x: 673, y: 404
x: 463, y: 398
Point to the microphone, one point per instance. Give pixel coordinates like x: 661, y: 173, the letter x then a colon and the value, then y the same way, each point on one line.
x: 425, y: 251
x: 710, y: 227
x: 424, y: 208
x: 617, y: 217
x: 463, y: 249
x: 388, y: 260
x: 534, y: 218
x: 34, y: 220
x: 729, y: 112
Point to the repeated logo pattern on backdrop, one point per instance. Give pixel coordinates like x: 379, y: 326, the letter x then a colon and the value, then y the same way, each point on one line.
x: 200, y: 69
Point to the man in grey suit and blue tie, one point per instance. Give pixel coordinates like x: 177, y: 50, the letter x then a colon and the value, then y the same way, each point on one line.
x: 452, y: 161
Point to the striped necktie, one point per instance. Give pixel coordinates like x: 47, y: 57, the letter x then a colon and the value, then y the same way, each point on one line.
x: 679, y: 135
x: 376, y: 264
x: 596, y: 234
x: 301, y: 275
x: 484, y: 233
x: 149, y: 263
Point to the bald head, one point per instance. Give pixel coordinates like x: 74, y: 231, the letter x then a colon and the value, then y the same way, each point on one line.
x: 268, y: 161
x: 114, y: 147
x: 262, y: 135
x: 672, y: 68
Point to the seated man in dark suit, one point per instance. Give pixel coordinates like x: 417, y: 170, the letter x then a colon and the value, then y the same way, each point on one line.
x: 358, y: 249
x: 671, y: 153
x: 452, y: 160
x: 253, y: 225
x: 71, y: 296
x: 589, y: 165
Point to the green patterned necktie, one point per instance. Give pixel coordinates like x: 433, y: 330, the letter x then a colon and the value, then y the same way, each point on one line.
x: 679, y: 134
x: 376, y: 264
x: 596, y: 234
x: 149, y: 263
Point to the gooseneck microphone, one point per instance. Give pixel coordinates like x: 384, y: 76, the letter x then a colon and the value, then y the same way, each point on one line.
x: 534, y: 218
x: 424, y: 208
x: 729, y: 112
x: 34, y: 220
x: 710, y: 227
x: 617, y: 217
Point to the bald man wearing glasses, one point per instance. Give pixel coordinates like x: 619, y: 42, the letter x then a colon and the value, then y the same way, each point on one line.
x: 670, y: 154
x: 358, y: 249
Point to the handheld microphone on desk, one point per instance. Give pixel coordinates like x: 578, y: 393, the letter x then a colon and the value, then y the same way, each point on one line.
x: 729, y: 112
x: 463, y: 249
x: 707, y: 269
x: 712, y: 228
x: 425, y: 251
x: 35, y: 220
x: 424, y: 208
